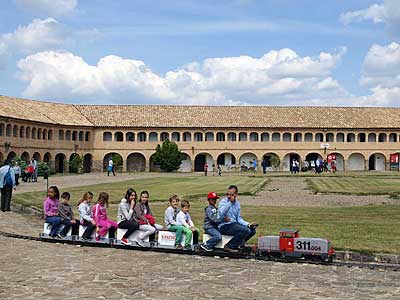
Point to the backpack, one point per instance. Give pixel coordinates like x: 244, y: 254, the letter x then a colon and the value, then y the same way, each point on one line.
x: 7, y: 179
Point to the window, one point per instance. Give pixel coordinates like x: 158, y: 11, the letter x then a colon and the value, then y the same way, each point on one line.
x: 107, y: 136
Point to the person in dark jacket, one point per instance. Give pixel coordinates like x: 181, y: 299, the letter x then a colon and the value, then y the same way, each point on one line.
x: 211, y: 223
x: 67, y: 216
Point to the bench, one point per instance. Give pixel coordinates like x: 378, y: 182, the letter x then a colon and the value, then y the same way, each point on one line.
x: 47, y: 228
x: 133, y: 237
x: 222, y: 243
x: 167, y: 238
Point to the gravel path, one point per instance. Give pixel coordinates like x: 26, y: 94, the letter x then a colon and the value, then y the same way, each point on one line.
x: 292, y: 191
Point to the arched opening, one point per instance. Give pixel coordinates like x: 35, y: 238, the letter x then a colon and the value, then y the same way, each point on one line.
x: 276, y: 137
x: 337, y: 159
x: 107, y: 136
x: 200, y: 160
x: 209, y: 137
x: 297, y: 137
x: 130, y: 137
x: 39, y: 133
x: 60, y: 163
x: 220, y: 137
x: 81, y: 136
x: 356, y: 162
x: 22, y: 132
x: 232, y: 137
x: 15, y: 131
x: 242, y: 137
x: 265, y: 137
x: 361, y: 137
x: 153, y: 167
x: 287, y: 163
x: 1, y: 129
x: 254, y: 137
x: 74, y: 135
x: 272, y: 161
x: 87, y: 136
x: 34, y: 133
x: 340, y: 137
x: 319, y: 137
x: 164, y: 136
x: 382, y: 138
x: 351, y: 138
x: 25, y: 157
x: 37, y: 156
x: 227, y: 160
x: 186, y: 165
x: 11, y: 155
x: 153, y: 137
x: 44, y: 135
x: 118, y: 136
x: 187, y: 137
x: 372, y: 138
x: 8, y: 130
x: 136, y: 162
x: 198, y: 137
x: 392, y: 138
x: 287, y: 137
x: 246, y: 161
x: 87, y: 163
x: 141, y: 137
x: 50, y: 135
x: 117, y: 161
x: 175, y: 137
x: 312, y: 158
x: 377, y: 161
x: 330, y: 137
x: 74, y: 163
x: 68, y: 135
x: 61, y: 135
x: 28, y: 132
x: 47, y: 158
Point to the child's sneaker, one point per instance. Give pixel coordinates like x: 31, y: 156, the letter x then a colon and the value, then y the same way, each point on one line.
x: 178, y: 247
x: 139, y: 243
x: 205, y: 247
x: 188, y: 247
x: 125, y: 241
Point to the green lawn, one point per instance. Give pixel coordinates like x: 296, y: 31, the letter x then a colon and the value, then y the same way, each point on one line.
x: 372, y: 185
x: 160, y: 188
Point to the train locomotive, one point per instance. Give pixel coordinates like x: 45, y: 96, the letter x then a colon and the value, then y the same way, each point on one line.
x: 289, y: 244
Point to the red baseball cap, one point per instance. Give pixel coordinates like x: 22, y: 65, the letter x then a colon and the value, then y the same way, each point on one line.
x: 212, y: 195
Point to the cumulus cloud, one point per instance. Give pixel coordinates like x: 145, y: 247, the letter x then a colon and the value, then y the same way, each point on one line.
x: 277, y: 76
x: 48, y: 7
x: 388, y: 12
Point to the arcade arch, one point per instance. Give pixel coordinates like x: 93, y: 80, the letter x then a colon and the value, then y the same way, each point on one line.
x: 356, y: 162
x: 136, y: 162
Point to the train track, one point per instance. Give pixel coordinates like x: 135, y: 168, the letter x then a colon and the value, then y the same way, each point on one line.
x: 216, y: 253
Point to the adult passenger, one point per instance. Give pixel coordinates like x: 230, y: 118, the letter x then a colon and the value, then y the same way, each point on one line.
x: 232, y: 222
x: 7, y: 184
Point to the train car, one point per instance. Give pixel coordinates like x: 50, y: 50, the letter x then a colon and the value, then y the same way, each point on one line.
x: 290, y: 244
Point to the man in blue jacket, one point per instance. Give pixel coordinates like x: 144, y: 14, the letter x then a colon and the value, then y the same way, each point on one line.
x: 7, y: 183
x: 232, y: 222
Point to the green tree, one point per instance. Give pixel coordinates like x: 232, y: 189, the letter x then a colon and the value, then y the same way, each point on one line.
x: 168, y: 156
x: 75, y: 164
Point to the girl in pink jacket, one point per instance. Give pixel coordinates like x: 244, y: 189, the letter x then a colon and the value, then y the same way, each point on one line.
x: 100, y: 216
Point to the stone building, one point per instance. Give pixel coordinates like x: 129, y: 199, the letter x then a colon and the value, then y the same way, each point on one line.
x: 361, y: 138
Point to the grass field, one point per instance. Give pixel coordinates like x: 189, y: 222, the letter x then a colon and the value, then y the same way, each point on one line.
x: 378, y: 185
x: 160, y: 188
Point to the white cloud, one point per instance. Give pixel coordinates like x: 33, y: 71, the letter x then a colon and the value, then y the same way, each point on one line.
x: 48, y: 7
x: 275, y: 77
x: 38, y: 35
x: 388, y: 13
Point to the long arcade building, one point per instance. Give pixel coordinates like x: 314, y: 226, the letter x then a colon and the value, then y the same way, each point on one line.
x: 360, y: 138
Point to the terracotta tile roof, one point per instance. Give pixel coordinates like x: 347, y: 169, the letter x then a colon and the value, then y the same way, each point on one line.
x: 40, y: 111
x: 142, y: 116
x: 240, y: 116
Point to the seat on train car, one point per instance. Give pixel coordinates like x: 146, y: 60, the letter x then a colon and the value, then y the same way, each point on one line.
x: 83, y: 228
x: 47, y: 228
x: 222, y: 243
x: 133, y: 237
x: 167, y: 238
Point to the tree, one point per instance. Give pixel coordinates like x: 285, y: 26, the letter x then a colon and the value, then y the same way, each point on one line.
x: 168, y: 156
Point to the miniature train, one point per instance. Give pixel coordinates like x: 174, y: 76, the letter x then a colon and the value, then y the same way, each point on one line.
x: 288, y: 244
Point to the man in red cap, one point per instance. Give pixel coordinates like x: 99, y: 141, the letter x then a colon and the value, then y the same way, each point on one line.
x: 211, y: 223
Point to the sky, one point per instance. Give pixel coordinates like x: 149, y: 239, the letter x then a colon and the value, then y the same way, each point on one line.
x: 225, y: 52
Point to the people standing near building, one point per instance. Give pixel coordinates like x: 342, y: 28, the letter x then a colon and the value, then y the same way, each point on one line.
x: 293, y: 167
x: 317, y: 165
x: 7, y: 184
x: 219, y: 170
x: 264, y: 166
x: 255, y: 165
x: 110, y: 167
x: 232, y: 222
x: 35, y: 169
x: 205, y: 169
x: 17, y: 172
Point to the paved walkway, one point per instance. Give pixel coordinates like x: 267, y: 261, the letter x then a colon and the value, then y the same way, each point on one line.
x: 36, y: 270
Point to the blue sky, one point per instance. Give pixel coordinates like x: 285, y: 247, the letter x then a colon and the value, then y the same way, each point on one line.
x: 240, y: 52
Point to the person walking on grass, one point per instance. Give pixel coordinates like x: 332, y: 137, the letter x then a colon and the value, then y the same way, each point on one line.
x: 7, y: 184
x: 110, y: 167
